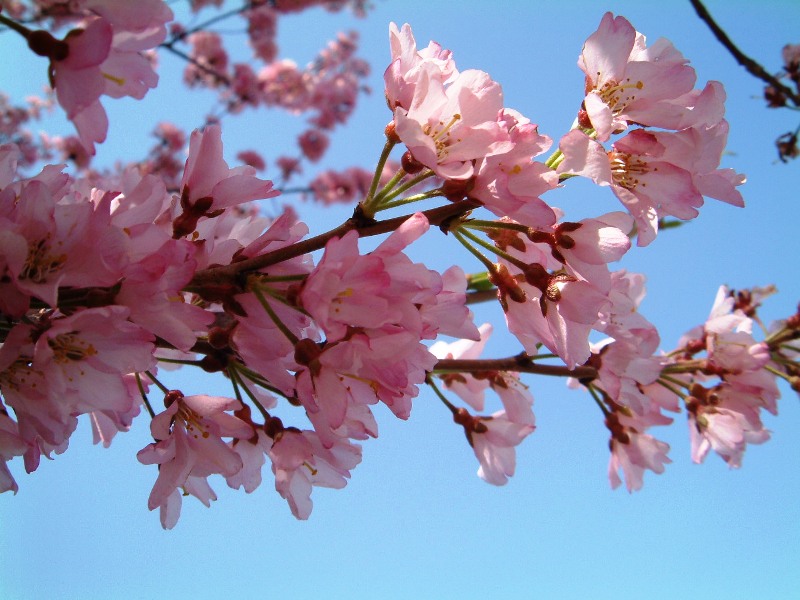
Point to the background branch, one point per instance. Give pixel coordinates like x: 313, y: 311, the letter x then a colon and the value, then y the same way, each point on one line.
x: 752, y: 67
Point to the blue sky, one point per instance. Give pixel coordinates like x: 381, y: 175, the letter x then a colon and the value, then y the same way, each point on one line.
x: 415, y: 521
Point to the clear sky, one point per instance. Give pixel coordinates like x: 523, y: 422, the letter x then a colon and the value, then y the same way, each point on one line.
x: 415, y: 521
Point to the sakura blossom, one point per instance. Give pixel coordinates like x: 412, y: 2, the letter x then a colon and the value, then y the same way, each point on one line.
x: 112, y: 278
x: 628, y: 82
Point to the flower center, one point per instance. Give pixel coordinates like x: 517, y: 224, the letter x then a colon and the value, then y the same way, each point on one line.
x: 441, y: 135
x: 191, y: 421
x: 69, y: 347
x: 41, y: 262
x: 618, y: 95
x: 626, y: 169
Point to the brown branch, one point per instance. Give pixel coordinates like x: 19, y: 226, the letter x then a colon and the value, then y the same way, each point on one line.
x: 752, y: 67
x: 208, y: 70
x: 227, y: 274
x: 521, y: 363
x: 216, y: 19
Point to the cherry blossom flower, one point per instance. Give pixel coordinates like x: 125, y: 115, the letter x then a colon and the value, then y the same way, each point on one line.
x: 11, y: 445
x: 725, y: 421
x: 627, y: 82
x: 633, y: 453
x: 189, y: 445
x: 656, y: 174
x: 104, y: 57
x: 446, y: 128
x: 494, y: 439
x: 209, y: 185
x: 300, y: 461
x: 510, y: 182
x: 408, y: 65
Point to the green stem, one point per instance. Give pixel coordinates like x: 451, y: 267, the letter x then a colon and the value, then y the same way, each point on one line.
x: 492, y: 248
x: 237, y: 380
x: 370, y: 205
x: 483, y: 259
x: 440, y: 395
x: 555, y: 159
x: 146, y: 402
x: 273, y: 315
x: 155, y: 380
x: 667, y: 382
x: 484, y: 225
x: 256, y: 378
x: 376, y: 177
x: 598, y: 400
x: 387, y: 195
x: 778, y: 373
x: 411, y: 199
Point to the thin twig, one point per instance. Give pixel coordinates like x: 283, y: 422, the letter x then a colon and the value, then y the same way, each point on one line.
x: 752, y: 67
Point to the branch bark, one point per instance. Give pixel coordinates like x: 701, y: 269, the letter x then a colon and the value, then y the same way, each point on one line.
x: 227, y: 275
x: 752, y: 67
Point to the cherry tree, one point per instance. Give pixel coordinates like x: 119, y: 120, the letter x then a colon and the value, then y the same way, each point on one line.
x: 111, y: 277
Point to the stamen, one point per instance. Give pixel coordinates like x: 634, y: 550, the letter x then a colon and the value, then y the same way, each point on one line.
x: 612, y: 94
x: 69, y: 347
x: 441, y: 136
x: 118, y: 80
x: 40, y: 263
x: 625, y: 167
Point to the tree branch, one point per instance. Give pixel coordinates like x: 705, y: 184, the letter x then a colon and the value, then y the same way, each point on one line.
x: 226, y: 275
x: 521, y: 363
x: 752, y: 67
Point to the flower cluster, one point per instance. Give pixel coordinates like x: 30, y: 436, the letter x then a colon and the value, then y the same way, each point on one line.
x: 102, y: 55
x: 105, y: 279
x: 632, y: 88
x: 109, y: 49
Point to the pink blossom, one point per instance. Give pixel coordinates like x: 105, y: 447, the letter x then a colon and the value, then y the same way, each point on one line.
x: 188, y: 446
x: 11, y: 445
x: 79, y: 82
x: 510, y: 182
x: 622, y: 319
x: 300, y: 461
x: 557, y: 311
x: 87, y: 353
x: 626, y: 366
x: 726, y: 430
x: 261, y: 29
x: 494, y: 439
x: 633, y: 454
x: 656, y: 174
x: 383, y: 288
x: 447, y: 128
x: 627, y: 82
x: 585, y: 248
x: 208, y: 184
x: 104, y: 57
x: 331, y: 187
x: 152, y: 291
x: 408, y: 65
x: 42, y: 414
x: 252, y: 158
x: 466, y: 386
x: 49, y: 244
x: 283, y: 84
x: 210, y: 60
x: 313, y: 144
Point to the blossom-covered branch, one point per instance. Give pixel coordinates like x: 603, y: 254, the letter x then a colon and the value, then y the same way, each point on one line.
x: 108, y: 280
